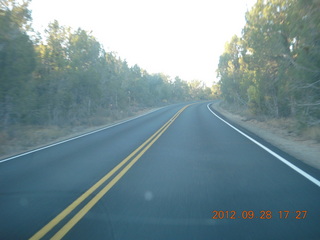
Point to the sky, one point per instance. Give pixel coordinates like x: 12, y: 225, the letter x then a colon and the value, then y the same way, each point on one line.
x: 177, y: 37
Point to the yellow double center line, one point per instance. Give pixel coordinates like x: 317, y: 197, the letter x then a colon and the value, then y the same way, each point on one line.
x: 134, y: 157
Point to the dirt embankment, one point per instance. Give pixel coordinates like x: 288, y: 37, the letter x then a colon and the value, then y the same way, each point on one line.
x: 307, y: 151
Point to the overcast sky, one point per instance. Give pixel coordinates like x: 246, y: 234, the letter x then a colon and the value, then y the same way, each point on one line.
x: 177, y: 37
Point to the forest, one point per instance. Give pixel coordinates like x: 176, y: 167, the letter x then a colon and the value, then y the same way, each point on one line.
x: 273, y: 68
x: 65, y: 77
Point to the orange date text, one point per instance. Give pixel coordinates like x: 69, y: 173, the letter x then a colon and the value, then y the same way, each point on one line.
x: 263, y: 214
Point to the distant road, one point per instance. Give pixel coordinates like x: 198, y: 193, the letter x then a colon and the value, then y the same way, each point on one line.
x: 177, y: 173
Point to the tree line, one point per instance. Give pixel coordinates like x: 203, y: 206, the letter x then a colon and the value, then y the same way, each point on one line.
x: 65, y: 76
x: 273, y: 68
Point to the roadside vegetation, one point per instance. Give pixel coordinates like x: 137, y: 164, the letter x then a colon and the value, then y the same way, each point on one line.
x: 55, y: 84
x: 272, y: 71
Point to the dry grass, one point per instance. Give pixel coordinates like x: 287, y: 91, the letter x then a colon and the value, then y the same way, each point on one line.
x: 20, y: 139
x: 312, y: 133
x: 28, y: 137
x: 285, y: 126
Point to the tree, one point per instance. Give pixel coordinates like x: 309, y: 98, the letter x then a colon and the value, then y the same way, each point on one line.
x: 274, y: 67
x: 180, y: 90
x: 233, y: 72
x: 65, y: 77
x: 85, y: 57
x: 51, y: 78
x: 304, y: 57
x: 17, y: 62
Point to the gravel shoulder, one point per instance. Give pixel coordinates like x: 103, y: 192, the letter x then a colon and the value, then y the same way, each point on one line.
x: 307, y: 151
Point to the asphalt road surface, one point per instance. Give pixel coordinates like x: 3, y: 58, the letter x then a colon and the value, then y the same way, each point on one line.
x: 177, y: 173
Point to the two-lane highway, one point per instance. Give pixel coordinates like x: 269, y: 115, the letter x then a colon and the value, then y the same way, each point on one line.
x: 176, y: 173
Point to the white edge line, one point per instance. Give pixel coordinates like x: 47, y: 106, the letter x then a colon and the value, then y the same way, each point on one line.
x: 303, y: 173
x: 80, y: 136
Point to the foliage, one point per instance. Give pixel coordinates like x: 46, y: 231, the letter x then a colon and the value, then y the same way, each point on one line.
x: 17, y: 62
x: 274, y: 67
x: 65, y: 77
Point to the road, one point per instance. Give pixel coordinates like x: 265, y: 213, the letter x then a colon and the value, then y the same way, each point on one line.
x: 176, y: 173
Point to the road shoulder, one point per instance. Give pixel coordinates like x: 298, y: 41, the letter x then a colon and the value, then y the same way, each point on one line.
x: 40, y: 137
x: 305, y: 150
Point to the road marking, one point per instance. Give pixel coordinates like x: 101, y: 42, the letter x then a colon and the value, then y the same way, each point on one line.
x: 80, y: 214
x: 74, y: 138
x: 303, y: 173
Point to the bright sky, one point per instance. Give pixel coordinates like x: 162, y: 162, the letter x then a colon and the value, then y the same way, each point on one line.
x: 177, y: 37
